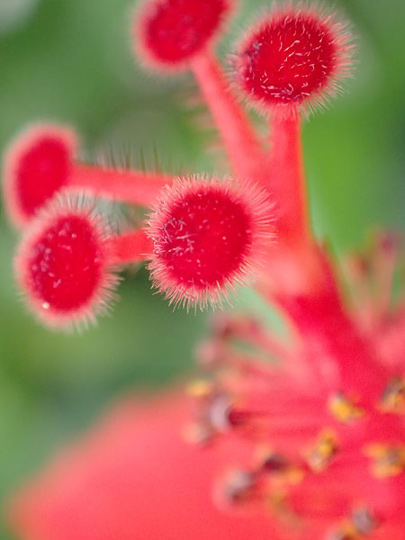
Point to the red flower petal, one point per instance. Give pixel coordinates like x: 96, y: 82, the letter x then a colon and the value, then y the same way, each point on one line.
x: 135, y: 478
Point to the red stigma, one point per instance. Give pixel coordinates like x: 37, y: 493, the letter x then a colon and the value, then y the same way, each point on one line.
x: 38, y: 165
x: 293, y: 58
x: 62, y: 266
x: 205, y: 236
x: 172, y: 31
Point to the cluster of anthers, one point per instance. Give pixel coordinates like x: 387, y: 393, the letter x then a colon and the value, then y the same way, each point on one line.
x: 322, y: 409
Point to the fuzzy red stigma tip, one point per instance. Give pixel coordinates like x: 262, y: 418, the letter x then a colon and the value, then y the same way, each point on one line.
x: 37, y: 165
x: 170, y: 32
x: 61, y: 266
x: 293, y: 58
x: 207, y: 235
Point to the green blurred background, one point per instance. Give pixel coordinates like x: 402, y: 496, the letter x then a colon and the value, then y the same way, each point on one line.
x: 71, y: 61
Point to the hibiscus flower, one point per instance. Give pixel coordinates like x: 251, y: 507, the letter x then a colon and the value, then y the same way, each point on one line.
x: 301, y: 437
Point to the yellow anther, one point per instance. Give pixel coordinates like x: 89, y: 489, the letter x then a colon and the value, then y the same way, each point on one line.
x: 346, y: 532
x: 343, y: 409
x: 364, y: 521
x: 200, y: 389
x: 393, y: 400
x: 387, y: 460
x: 270, y: 461
x: 294, y: 475
x: 277, y: 503
x: 240, y: 485
x: 323, y: 452
x: 197, y: 434
x: 358, y: 527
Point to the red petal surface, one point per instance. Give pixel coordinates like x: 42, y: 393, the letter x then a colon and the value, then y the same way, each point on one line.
x: 135, y: 478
